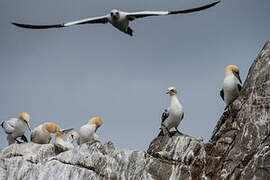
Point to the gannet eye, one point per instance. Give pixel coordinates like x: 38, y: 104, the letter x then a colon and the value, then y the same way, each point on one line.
x: 117, y: 13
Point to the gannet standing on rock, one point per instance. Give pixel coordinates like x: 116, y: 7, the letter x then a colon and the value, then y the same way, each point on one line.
x: 119, y: 19
x: 42, y: 133
x: 60, y: 143
x: 230, y: 89
x: 88, y: 132
x: 172, y: 116
x: 15, y: 128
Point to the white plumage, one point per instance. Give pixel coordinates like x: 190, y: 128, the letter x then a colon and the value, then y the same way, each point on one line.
x: 88, y: 131
x: 230, y: 88
x: 16, y: 127
x: 172, y: 116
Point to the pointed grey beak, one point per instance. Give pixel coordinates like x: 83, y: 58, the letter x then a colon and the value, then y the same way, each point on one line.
x: 28, y: 125
x: 237, y: 76
x: 168, y: 92
x: 65, y: 131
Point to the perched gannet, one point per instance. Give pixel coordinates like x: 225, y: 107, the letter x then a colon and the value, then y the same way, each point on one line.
x: 42, y: 133
x: 15, y: 128
x: 60, y: 143
x: 230, y: 89
x: 88, y: 132
x: 172, y: 116
x: 119, y: 19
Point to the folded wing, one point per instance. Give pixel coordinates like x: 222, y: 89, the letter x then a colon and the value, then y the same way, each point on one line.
x: 9, y: 125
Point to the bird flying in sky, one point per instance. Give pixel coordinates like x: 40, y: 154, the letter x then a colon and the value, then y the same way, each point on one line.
x: 119, y: 19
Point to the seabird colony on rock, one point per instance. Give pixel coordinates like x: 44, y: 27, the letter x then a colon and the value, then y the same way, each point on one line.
x: 119, y: 19
x: 171, y: 117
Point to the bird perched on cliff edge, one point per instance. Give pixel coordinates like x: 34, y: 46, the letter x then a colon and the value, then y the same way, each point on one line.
x: 42, y: 133
x: 119, y: 19
x: 230, y: 89
x: 15, y: 128
x: 88, y: 132
x: 172, y: 116
x: 60, y: 143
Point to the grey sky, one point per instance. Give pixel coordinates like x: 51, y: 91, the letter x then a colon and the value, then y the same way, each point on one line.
x: 69, y: 75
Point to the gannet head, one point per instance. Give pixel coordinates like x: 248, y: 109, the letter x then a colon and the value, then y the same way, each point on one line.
x: 95, y: 121
x: 115, y: 14
x: 233, y: 69
x: 172, y: 91
x: 72, y: 136
x: 51, y: 127
x: 24, y: 116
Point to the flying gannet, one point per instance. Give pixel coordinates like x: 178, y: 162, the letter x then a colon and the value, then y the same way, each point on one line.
x: 42, y: 133
x: 88, y: 131
x: 16, y: 127
x: 230, y: 89
x: 172, y: 116
x: 119, y: 19
x: 60, y: 143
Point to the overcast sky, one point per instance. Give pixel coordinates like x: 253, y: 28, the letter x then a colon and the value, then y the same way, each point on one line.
x: 69, y: 75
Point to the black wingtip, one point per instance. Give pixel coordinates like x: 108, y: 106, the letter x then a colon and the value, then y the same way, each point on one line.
x: 195, y: 9
x: 29, y: 26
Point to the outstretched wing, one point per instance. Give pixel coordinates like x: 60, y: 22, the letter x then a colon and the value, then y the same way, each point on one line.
x: 9, y: 125
x: 101, y: 19
x: 165, y: 115
x: 135, y: 15
x: 221, y: 94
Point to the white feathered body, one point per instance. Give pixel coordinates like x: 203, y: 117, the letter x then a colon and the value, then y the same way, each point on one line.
x: 40, y: 135
x: 87, y: 134
x: 176, y: 113
x: 63, y: 145
x: 230, y: 89
x: 14, y: 128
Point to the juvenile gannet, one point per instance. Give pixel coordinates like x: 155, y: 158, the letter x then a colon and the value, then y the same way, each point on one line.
x: 172, y: 116
x: 230, y: 89
x: 119, y: 19
x: 42, y: 133
x: 15, y: 128
x: 60, y: 143
x: 88, y: 132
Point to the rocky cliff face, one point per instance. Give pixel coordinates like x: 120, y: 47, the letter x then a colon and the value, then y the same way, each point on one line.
x: 239, y: 147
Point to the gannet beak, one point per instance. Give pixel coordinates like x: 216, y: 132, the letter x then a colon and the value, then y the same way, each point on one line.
x: 28, y: 125
x: 65, y: 131
x: 168, y: 92
x: 237, y: 76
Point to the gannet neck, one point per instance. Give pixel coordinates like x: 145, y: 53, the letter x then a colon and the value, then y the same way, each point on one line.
x: 228, y: 73
x: 174, y: 100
